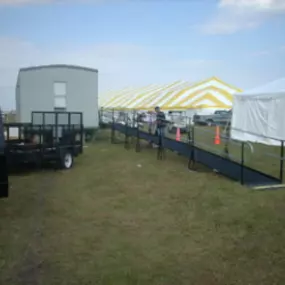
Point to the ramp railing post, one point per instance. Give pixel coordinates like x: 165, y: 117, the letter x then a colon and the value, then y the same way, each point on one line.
x: 127, y: 144
x: 134, y: 122
x: 160, y: 150
x: 99, y: 116
x: 102, y: 116
x: 191, y: 160
x: 242, y: 164
x: 81, y: 132
x: 138, y: 145
x: 8, y: 133
x: 281, y: 161
x: 150, y: 126
x: 227, y: 140
x: 113, y: 127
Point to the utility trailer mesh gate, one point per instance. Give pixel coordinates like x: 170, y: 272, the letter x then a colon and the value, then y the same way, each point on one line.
x: 64, y: 125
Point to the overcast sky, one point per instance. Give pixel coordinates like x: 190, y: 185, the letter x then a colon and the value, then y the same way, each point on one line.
x: 136, y: 43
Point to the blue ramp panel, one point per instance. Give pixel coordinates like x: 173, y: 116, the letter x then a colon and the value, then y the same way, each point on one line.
x: 132, y: 132
x: 223, y: 165
x: 148, y: 137
x: 180, y: 147
x: 233, y: 169
x: 120, y: 128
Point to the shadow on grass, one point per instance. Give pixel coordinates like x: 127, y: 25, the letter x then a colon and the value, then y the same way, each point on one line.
x: 30, y: 169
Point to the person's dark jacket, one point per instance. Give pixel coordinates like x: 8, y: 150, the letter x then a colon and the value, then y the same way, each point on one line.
x: 160, y: 120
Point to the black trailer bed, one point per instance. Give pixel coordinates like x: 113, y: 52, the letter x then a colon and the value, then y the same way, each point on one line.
x: 50, y: 137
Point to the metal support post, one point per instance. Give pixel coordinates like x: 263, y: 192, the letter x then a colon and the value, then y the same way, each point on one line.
x: 160, y: 150
x: 242, y: 164
x: 113, y: 128
x: 127, y: 143
x: 191, y: 160
x: 281, y: 161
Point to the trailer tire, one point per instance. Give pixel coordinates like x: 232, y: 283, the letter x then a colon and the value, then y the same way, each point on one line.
x: 66, y: 160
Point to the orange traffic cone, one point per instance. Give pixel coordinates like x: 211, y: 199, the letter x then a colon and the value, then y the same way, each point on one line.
x: 217, y: 135
x: 178, y: 134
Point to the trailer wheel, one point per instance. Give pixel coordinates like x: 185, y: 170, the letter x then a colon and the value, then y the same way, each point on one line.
x: 66, y: 160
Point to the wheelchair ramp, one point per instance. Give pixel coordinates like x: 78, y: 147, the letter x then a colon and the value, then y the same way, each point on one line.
x: 223, y: 165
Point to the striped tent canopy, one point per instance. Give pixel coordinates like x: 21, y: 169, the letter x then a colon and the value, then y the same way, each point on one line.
x: 106, y: 97
x: 135, y: 98
x: 210, y: 93
x: 140, y: 102
x: 124, y: 99
x: 179, y: 95
x: 162, y: 97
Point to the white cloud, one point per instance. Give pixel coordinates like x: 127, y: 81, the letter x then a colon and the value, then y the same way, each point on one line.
x: 120, y: 65
x: 259, y: 5
x: 235, y: 15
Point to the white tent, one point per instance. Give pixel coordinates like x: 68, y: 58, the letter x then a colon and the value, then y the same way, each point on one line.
x: 259, y: 114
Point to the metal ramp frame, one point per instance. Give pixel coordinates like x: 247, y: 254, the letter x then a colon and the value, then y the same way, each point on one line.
x: 223, y: 165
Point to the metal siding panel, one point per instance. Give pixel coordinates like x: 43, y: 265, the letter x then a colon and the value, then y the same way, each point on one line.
x: 82, y: 95
x: 35, y: 93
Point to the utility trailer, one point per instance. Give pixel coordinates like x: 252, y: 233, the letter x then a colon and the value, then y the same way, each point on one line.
x: 4, y: 182
x: 51, y: 137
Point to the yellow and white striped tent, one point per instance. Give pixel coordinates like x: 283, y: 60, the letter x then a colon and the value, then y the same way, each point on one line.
x: 135, y: 98
x: 107, y: 96
x: 209, y: 94
x: 112, y: 96
x: 122, y: 99
x: 139, y: 102
x: 162, y: 97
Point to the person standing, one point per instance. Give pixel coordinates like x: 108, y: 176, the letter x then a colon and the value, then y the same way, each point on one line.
x: 160, y: 122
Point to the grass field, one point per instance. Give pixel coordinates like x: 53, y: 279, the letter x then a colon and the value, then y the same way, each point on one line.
x: 121, y: 217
